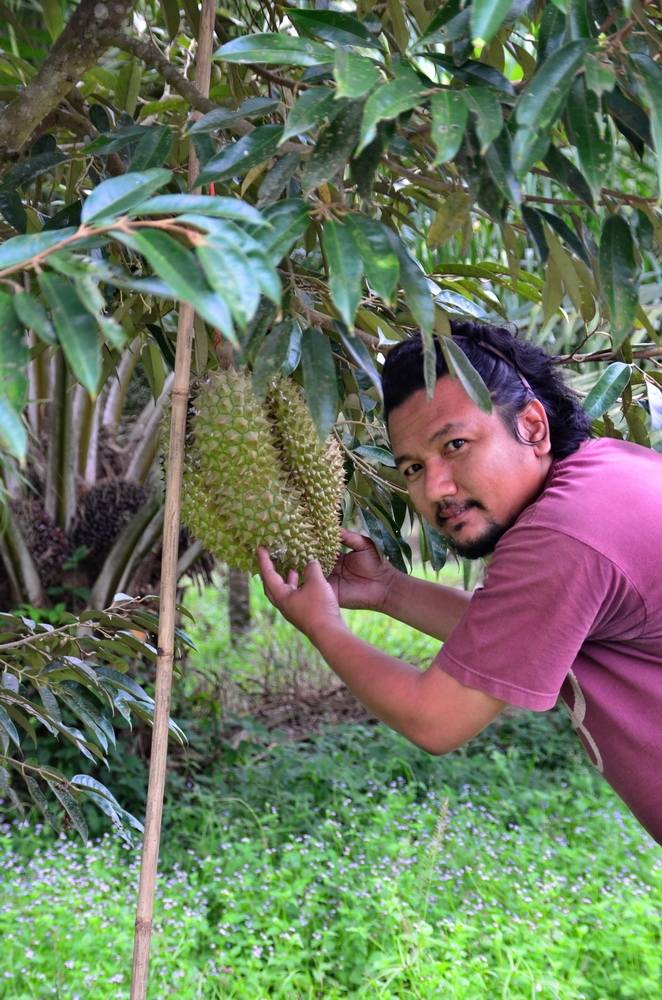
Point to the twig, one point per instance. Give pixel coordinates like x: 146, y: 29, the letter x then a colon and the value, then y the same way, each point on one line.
x: 582, y: 359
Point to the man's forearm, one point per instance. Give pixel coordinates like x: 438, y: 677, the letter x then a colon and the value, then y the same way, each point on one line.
x: 388, y: 687
x: 429, y: 607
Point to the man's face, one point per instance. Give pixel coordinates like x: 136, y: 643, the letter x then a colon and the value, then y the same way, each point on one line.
x: 466, y: 473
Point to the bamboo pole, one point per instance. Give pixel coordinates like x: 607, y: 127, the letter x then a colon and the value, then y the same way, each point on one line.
x: 164, y: 663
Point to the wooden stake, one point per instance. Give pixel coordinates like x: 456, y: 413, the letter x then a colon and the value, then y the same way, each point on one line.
x: 166, y: 639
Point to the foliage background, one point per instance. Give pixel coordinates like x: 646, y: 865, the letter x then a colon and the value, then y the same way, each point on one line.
x: 366, y: 170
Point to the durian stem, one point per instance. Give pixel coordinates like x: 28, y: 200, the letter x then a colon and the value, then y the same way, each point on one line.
x: 166, y: 639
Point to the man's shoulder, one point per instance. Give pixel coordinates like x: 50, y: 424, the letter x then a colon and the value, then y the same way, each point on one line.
x: 607, y: 494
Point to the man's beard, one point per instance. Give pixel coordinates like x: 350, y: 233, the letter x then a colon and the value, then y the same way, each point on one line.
x: 478, y: 547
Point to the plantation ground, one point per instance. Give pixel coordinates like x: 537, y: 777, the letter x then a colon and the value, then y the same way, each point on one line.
x: 345, y: 863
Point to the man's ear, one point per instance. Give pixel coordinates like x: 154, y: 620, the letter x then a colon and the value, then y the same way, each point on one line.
x: 534, y: 427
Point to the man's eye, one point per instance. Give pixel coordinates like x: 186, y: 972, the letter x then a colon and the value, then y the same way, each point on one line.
x: 456, y: 444
x: 411, y: 470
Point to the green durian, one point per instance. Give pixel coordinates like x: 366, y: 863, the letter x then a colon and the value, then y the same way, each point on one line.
x: 315, y: 467
x: 255, y: 474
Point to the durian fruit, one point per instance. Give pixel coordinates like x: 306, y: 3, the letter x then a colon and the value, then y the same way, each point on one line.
x: 315, y: 467
x: 48, y: 544
x: 247, y: 481
x: 104, y: 511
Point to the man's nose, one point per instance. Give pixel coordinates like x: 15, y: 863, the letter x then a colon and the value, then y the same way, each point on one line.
x: 439, y: 482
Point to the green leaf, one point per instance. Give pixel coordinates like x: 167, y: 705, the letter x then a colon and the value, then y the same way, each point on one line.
x: 415, y: 285
x: 619, y: 276
x: 374, y: 454
x: 28, y: 170
x: 345, y: 265
x: 32, y: 314
x: 77, y: 330
x: 71, y: 807
x: 232, y: 275
x: 450, y: 216
x: 14, y: 355
x: 334, y: 147
x: 650, y: 73
x: 389, y: 101
x: 274, y: 49
x: 309, y: 110
x: 13, y: 211
x: 179, y: 269
x: 498, y: 158
x: 238, y: 158
x: 460, y: 367
x: 607, y: 389
x: 487, y: 109
x: 355, y: 75
x: 594, y: 150
x: 380, y: 261
x: 252, y: 107
x: 436, y: 548
x: 320, y: 382
x: 566, y: 173
x: 13, y: 435
x: 333, y: 26
x: 288, y: 220
x: 279, y: 354
x: 170, y: 10
x: 542, y: 100
x: 153, y: 149
x: 382, y: 535
x: 22, y: 249
x: 357, y: 350
x: 487, y: 16
x: 528, y: 147
x: 113, y: 142
x: 449, y: 121
x: 119, y: 195
x: 9, y: 728
x: 472, y: 72
x: 202, y: 204
x: 53, y: 17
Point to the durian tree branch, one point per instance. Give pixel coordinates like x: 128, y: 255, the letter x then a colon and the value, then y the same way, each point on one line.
x: 83, y: 41
x: 169, y: 557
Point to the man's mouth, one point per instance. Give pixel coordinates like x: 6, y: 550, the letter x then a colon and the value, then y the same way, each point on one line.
x: 453, y: 515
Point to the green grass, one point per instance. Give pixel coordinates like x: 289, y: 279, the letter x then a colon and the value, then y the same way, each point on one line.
x: 347, y: 864
x: 355, y: 866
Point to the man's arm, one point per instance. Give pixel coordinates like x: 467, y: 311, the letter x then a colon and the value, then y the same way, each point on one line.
x: 363, y: 579
x: 428, y: 707
x: 430, y: 607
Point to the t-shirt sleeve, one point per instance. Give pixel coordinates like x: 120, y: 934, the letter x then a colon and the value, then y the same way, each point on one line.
x: 544, y: 592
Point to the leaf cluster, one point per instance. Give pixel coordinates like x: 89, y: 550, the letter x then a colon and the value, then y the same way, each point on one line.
x: 72, y: 681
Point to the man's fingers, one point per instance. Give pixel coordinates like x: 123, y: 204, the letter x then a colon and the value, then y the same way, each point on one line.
x: 354, y: 540
x: 314, y: 572
x: 293, y: 578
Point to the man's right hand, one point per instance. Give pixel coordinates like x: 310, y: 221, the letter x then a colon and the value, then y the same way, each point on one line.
x: 361, y: 578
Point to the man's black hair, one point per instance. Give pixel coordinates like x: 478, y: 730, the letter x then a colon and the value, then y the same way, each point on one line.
x: 513, y: 371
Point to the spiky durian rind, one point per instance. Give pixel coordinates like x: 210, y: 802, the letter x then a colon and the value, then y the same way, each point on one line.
x: 242, y: 488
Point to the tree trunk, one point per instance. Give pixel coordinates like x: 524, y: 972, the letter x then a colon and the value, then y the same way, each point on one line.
x: 239, y: 603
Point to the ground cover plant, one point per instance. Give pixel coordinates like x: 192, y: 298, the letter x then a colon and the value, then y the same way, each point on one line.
x: 354, y: 866
x: 348, y: 863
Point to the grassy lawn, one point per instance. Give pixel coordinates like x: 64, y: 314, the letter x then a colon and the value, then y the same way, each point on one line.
x: 350, y: 864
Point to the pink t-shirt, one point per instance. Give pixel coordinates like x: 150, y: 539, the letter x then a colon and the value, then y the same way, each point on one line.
x: 572, y: 607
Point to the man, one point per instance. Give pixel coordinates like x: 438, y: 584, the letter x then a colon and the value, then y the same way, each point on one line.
x: 572, y: 600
